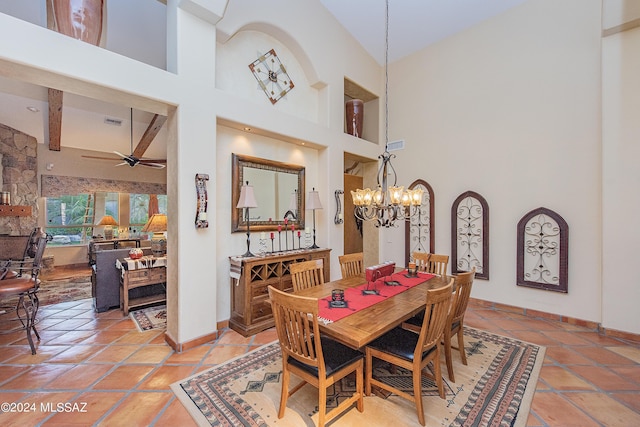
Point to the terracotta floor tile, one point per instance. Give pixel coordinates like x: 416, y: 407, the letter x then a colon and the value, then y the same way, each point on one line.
x: 535, y: 337
x: 70, y: 338
x: 103, y: 337
x: 78, y: 377
x: 36, y: 377
x: 92, y: 405
x: 221, y: 354
x: 43, y: 354
x: 124, y: 377
x: 76, y: 354
x: 596, y: 338
x: 630, y: 353
x: 114, y: 354
x: 42, y: 408
x: 561, y: 379
x: 69, y: 325
x: 265, y: 337
x: 606, y: 410
x: 556, y: 411
x: 232, y: 337
x: 630, y: 399
x: 175, y: 415
x: 566, y: 356
x: 150, y: 354
x: 164, y: 376
x: 138, y: 409
x: 8, y: 353
x: 566, y: 338
x: 631, y: 372
x: 124, y: 323
x: 135, y: 337
x: 603, y: 356
x: 604, y: 378
x: 191, y: 356
x: 7, y: 372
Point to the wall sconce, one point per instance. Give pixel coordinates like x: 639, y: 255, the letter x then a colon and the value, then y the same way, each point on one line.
x: 338, y: 219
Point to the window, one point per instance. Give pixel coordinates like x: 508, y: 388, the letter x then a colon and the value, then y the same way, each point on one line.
x: 139, y: 207
x: 70, y: 218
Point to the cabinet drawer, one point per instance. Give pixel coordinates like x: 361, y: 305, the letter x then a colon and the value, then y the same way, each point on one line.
x: 149, y: 275
x: 260, y: 309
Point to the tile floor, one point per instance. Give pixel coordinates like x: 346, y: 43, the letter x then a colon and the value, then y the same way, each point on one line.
x: 104, y: 372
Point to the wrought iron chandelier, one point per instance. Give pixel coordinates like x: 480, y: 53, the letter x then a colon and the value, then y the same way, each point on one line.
x: 387, y: 204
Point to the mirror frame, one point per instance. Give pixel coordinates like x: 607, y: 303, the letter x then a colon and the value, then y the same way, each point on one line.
x: 238, y: 162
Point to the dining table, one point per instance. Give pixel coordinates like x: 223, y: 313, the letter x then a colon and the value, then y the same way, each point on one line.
x: 364, y: 325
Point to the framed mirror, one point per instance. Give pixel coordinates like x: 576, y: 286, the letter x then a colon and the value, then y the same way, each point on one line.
x: 279, y: 192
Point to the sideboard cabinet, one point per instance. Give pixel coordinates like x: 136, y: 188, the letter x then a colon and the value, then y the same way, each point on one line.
x: 250, y: 277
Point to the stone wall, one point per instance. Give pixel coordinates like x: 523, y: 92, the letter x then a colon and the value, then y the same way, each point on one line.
x: 20, y: 178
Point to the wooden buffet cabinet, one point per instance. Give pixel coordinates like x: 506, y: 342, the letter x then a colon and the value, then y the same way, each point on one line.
x: 250, y: 306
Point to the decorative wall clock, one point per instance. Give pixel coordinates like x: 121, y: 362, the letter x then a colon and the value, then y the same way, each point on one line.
x: 271, y: 76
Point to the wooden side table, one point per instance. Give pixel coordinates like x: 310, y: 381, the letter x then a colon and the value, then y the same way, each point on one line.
x: 146, y: 271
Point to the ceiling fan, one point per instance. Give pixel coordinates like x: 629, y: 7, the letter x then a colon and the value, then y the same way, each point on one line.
x: 135, y: 158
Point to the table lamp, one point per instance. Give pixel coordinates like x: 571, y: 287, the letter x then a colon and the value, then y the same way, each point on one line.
x: 108, y: 222
x: 157, y: 225
x: 247, y: 200
x: 313, y: 203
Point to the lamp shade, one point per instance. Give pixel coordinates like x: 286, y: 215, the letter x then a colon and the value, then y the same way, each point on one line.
x: 107, y: 220
x: 313, y: 200
x: 247, y: 198
x: 156, y: 224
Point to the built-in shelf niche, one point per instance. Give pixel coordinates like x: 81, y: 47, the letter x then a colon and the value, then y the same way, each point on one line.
x: 370, y: 130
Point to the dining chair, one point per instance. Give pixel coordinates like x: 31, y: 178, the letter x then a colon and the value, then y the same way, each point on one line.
x: 307, y: 274
x: 351, y: 265
x: 412, y: 351
x: 25, y: 286
x: 6, y: 270
x: 316, y: 359
x: 437, y: 264
x: 421, y: 259
x: 455, y: 322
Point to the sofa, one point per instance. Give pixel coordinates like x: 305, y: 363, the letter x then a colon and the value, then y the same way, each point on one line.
x: 105, y: 279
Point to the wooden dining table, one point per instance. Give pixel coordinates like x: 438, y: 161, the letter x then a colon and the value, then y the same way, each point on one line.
x: 363, y: 326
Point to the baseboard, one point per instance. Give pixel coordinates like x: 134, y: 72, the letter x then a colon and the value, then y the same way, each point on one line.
x: 180, y: 347
x: 595, y: 326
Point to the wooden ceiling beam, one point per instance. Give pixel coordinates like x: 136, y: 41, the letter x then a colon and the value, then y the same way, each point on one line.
x: 55, y: 118
x: 152, y: 130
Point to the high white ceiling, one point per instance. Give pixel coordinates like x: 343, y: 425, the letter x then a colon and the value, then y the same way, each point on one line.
x: 413, y: 24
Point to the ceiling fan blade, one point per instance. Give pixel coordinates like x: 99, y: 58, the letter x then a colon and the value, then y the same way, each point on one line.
x: 100, y: 158
x: 123, y: 156
x: 153, y: 160
x: 122, y: 164
x: 153, y: 165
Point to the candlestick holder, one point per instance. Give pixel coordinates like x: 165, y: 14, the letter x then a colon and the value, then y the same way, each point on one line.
x: 279, y: 239
x: 272, y: 237
x: 299, y: 246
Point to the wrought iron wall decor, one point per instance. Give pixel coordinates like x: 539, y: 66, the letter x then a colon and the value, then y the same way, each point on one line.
x: 418, y: 233
x: 201, y: 206
x: 543, y: 243
x: 470, y: 234
x: 338, y: 218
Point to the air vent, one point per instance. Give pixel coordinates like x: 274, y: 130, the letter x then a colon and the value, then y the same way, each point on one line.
x: 113, y: 122
x: 395, y: 145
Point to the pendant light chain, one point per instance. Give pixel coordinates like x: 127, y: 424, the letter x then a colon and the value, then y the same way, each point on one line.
x: 386, y: 77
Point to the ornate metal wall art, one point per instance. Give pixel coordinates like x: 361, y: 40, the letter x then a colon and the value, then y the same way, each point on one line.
x: 470, y: 234
x: 201, y: 206
x: 338, y: 218
x: 543, y: 240
x: 418, y: 235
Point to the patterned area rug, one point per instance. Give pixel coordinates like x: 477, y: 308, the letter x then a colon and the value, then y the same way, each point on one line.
x: 495, y: 388
x: 150, y: 318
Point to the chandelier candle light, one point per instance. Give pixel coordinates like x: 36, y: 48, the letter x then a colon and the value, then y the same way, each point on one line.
x: 387, y: 203
x: 247, y: 200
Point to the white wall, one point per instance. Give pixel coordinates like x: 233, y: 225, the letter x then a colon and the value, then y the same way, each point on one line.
x: 511, y: 109
x: 621, y: 179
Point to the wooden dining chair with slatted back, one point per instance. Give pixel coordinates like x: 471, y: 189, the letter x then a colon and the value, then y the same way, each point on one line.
x: 316, y: 359
x: 25, y: 286
x: 437, y: 264
x: 412, y: 351
x: 421, y: 259
x: 351, y: 265
x: 455, y: 322
x: 307, y: 274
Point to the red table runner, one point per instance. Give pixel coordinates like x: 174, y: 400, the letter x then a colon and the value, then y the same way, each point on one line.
x: 356, y: 301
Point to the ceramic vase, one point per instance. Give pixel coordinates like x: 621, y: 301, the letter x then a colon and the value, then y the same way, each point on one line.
x: 80, y: 19
x: 354, y: 117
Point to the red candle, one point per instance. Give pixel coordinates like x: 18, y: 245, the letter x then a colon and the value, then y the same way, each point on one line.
x: 293, y: 227
x: 279, y: 228
x: 298, y: 233
x: 271, y: 236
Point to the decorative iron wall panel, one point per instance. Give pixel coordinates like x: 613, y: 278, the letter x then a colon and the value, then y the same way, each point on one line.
x: 418, y: 234
x: 543, y: 240
x: 470, y: 234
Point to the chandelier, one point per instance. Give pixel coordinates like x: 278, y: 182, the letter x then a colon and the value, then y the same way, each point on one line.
x: 387, y: 204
